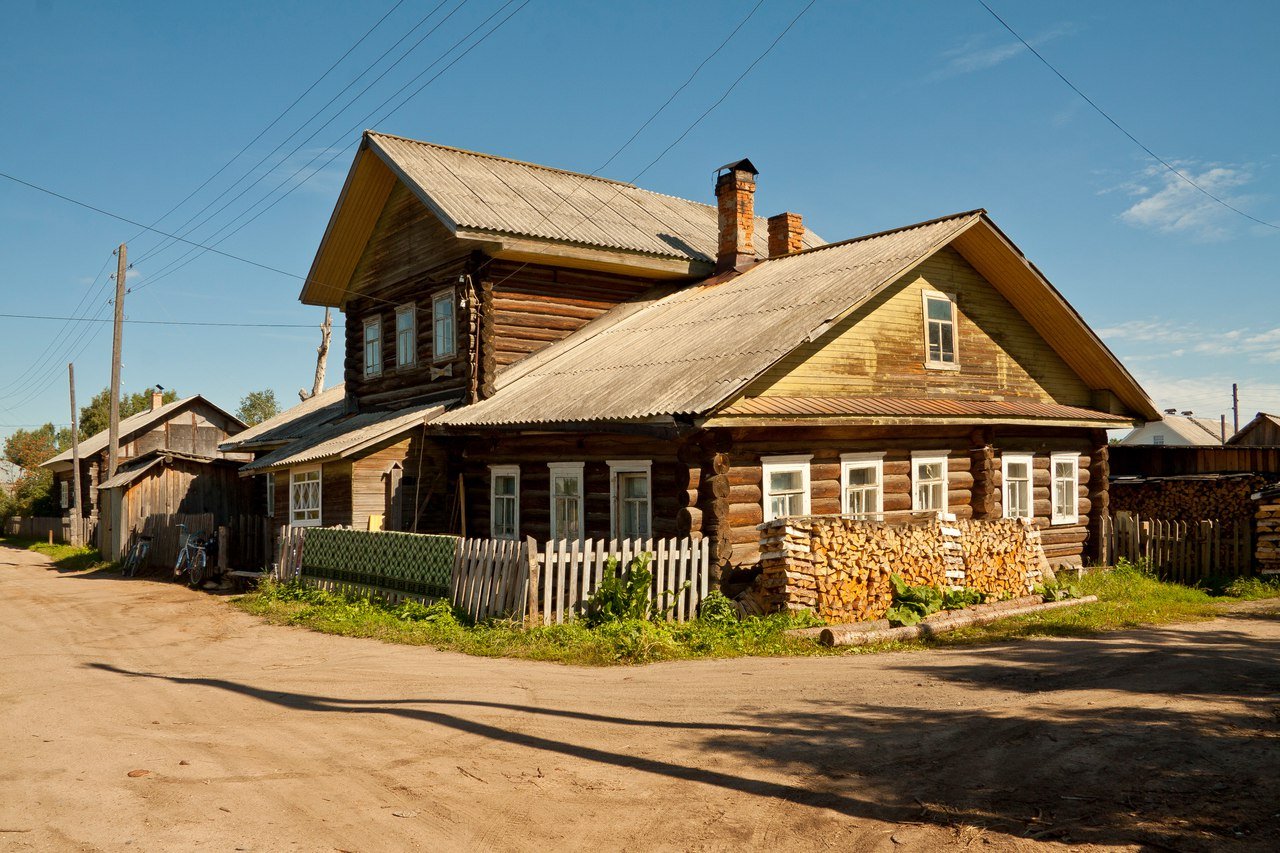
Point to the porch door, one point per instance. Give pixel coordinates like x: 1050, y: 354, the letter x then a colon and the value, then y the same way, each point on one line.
x: 394, y: 498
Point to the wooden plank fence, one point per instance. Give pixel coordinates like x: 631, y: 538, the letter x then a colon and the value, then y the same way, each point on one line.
x: 545, y: 584
x: 1181, y: 551
x: 39, y: 527
x: 573, y: 570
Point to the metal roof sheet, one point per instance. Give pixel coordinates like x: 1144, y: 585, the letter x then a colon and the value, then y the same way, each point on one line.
x: 125, y: 477
x: 342, y: 437
x: 687, y: 351
x: 292, y: 423
x: 488, y: 193
x: 909, y: 407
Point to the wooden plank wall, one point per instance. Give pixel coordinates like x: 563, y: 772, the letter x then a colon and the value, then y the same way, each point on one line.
x: 1166, y: 461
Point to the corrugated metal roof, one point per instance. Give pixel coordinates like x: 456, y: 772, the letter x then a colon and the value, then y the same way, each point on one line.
x: 483, y: 192
x: 292, y: 423
x: 908, y: 407
x: 342, y: 437
x: 125, y: 477
x: 688, y: 351
x: 129, y: 426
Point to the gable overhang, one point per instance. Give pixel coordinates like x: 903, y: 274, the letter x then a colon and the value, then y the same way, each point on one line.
x: 1002, y: 264
x: 374, y: 173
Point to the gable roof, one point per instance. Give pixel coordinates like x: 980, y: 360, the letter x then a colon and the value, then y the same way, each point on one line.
x: 132, y: 425
x: 1258, y: 420
x: 483, y: 197
x: 291, y: 423
x: 1197, y: 432
x: 691, y: 350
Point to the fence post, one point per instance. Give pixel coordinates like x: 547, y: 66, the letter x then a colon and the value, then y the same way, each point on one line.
x: 532, y: 617
x: 223, y: 546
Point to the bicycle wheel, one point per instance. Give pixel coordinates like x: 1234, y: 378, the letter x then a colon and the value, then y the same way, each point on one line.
x: 197, y: 568
x: 181, y: 565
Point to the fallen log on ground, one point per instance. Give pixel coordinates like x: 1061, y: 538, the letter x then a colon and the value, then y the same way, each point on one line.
x: 852, y: 635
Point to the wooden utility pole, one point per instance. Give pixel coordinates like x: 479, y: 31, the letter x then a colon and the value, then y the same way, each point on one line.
x: 322, y: 357
x: 77, y: 517
x: 1235, y: 407
x: 113, y: 434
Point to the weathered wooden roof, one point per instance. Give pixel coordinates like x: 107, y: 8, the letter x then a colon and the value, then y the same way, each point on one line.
x: 291, y: 423
x: 132, y: 425
x: 344, y: 437
x: 690, y: 350
x: 480, y: 196
x: 1258, y: 420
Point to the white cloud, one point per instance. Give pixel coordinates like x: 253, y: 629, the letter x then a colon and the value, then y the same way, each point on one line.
x: 978, y: 54
x: 1168, y: 204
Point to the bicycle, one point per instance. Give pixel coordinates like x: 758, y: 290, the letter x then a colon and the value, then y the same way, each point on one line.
x: 193, y: 558
x: 136, y: 557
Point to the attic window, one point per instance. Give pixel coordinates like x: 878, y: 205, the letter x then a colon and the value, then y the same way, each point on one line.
x: 939, y: 330
x: 443, y: 326
x: 373, y: 346
x: 406, y: 335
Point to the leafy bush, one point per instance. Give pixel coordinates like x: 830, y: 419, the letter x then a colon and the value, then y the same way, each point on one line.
x: 911, y: 603
x: 439, y: 612
x: 958, y: 599
x: 1061, y: 591
x: 622, y: 596
x: 717, y: 609
x: 1252, y: 588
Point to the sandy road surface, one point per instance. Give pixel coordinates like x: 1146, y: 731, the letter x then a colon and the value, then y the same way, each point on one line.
x: 267, y: 738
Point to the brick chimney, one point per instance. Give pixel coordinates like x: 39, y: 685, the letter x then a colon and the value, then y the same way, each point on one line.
x: 735, y: 204
x: 786, y: 234
x: 157, y: 399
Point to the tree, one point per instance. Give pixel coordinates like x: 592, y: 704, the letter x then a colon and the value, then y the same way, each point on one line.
x: 258, y: 406
x: 96, y: 416
x: 25, y: 450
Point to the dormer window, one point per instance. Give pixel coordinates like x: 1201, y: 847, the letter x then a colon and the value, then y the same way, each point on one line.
x: 939, y: 330
x: 373, y: 347
x: 443, y: 325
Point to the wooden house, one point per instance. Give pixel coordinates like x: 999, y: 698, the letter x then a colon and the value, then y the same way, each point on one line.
x: 1178, y: 430
x: 566, y: 356
x: 192, y: 427
x: 1262, y: 431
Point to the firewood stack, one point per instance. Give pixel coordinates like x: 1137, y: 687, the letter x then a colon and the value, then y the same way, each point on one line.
x: 1268, y: 521
x: 840, y: 567
x: 1218, y: 497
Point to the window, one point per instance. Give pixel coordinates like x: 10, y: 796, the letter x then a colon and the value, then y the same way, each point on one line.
x: 304, y: 498
x: 566, y: 500
x: 630, y: 509
x: 1158, y: 438
x: 1065, y: 468
x: 929, y: 481
x: 271, y: 496
x: 66, y: 494
x: 939, y: 330
x: 442, y: 325
x: 406, y: 336
x: 1015, y: 469
x: 861, y: 493
x: 373, y: 347
x: 786, y: 486
x: 504, y: 501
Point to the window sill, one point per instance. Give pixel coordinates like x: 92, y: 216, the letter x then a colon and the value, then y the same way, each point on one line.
x: 928, y: 365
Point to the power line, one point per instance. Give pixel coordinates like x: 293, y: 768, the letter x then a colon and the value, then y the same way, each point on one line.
x: 173, y: 322
x: 1100, y: 111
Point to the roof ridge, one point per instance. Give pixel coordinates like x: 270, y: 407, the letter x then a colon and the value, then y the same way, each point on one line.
x: 512, y: 160
x: 977, y: 211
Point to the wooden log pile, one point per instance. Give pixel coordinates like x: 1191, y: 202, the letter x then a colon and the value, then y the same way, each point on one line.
x: 1212, y: 497
x: 1268, y: 532
x: 840, y: 567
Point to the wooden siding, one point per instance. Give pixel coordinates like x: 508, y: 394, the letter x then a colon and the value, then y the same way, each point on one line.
x: 409, y: 257
x: 878, y: 350
x: 1263, y: 432
x: 423, y: 483
x: 535, y: 305
x: 1154, y: 461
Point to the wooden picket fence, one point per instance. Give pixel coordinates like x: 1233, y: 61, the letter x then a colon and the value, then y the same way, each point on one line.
x: 540, y: 584
x: 1181, y: 551
x: 572, y: 570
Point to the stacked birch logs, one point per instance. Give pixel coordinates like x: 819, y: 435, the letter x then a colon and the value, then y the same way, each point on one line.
x: 1219, y: 498
x: 1268, y: 521
x: 840, y: 567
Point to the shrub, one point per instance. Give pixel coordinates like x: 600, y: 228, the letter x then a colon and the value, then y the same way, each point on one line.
x: 622, y: 596
x: 439, y: 612
x: 911, y: 603
x: 958, y: 599
x: 716, y: 609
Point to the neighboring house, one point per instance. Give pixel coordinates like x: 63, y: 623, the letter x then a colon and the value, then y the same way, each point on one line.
x: 565, y: 356
x: 1262, y: 431
x: 192, y: 426
x: 1174, y: 430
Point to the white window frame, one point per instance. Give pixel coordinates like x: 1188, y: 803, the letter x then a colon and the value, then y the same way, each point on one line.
x: 496, y: 471
x: 372, y: 368
x: 271, y: 495
x: 629, y: 466
x: 438, y: 297
x: 928, y: 457
x: 576, y: 469
x: 1057, y: 515
x: 64, y: 491
x: 1028, y: 459
x: 780, y: 464
x: 410, y: 309
x: 294, y: 474
x: 929, y: 361
x: 874, y: 461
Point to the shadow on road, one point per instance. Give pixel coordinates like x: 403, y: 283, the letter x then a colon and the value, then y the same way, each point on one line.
x: 1188, y: 766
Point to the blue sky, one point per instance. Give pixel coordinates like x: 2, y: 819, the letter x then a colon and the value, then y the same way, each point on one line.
x: 865, y: 116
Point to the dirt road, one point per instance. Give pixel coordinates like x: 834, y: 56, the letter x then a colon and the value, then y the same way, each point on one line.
x: 265, y: 738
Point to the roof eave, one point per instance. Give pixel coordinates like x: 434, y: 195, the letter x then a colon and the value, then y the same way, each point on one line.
x: 881, y: 420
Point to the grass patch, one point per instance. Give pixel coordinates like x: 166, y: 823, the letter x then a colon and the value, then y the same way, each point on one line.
x: 1128, y: 598
x: 66, y: 558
